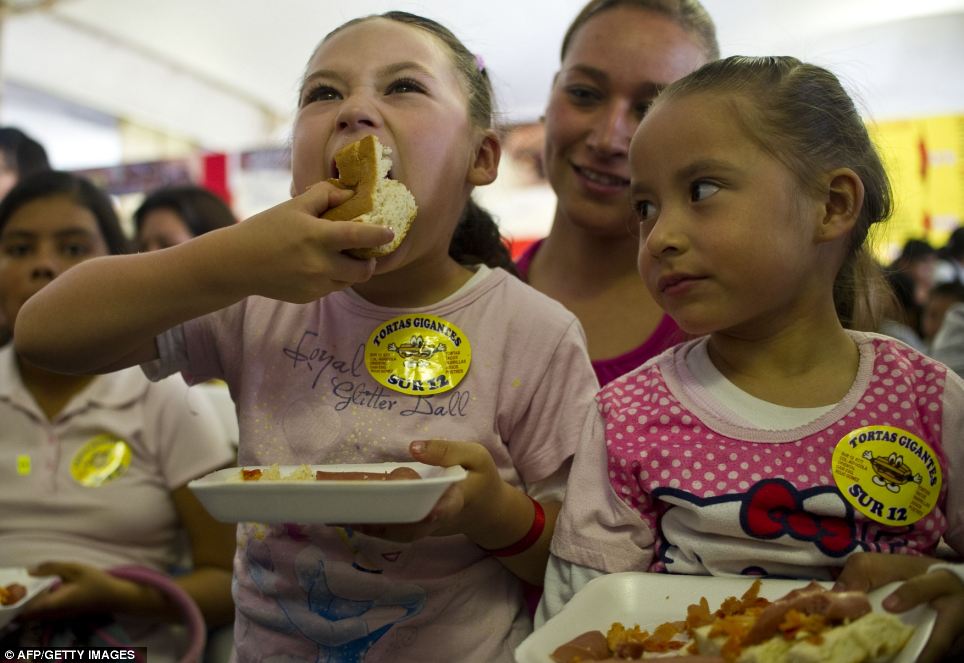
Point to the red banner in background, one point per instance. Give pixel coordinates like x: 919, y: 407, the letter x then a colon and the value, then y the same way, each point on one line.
x: 208, y: 170
x: 214, y: 175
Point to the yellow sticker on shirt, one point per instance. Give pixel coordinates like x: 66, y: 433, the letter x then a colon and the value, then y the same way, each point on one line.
x: 418, y: 355
x: 23, y: 464
x: 101, y: 459
x: 888, y: 474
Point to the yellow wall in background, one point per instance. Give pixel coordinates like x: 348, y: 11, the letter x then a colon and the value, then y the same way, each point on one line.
x: 925, y: 160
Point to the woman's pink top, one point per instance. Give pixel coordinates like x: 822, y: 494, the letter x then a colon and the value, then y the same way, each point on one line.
x: 666, y: 334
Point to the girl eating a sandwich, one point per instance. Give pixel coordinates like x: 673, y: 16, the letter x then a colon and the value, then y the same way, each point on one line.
x: 781, y: 442
x: 312, y: 341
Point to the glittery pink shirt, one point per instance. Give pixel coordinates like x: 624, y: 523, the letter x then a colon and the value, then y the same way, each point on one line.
x: 682, y: 487
x: 298, y: 375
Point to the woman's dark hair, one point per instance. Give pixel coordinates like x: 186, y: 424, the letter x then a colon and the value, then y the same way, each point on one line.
x: 954, y: 248
x: 915, y: 250
x: 200, y: 209
x: 22, y: 153
x: 477, y: 238
x: 905, y: 308
x: 800, y: 114
x: 688, y: 14
x: 80, y: 191
x: 913, y: 253
x: 477, y: 229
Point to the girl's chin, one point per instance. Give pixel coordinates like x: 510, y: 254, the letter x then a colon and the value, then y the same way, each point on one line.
x: 390, y: 262
x: 694, y: 327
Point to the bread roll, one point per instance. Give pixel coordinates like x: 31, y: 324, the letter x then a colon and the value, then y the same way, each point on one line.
x: 363, y: 166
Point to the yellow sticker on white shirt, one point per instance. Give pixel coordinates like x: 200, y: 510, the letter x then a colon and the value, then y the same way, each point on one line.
x: 888, y: 474
x: 101, y: 459
x: 418, y: 355
x: 23, y: 465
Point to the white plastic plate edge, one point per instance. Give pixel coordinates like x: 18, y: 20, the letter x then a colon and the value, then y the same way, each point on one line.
x: 34, y: 585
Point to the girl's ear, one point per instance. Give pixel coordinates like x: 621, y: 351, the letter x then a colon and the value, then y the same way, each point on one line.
x: 844, y: 200
x: 486, y: 165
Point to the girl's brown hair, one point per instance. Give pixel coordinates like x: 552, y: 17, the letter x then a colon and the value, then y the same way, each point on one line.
x: 477, y: 237
x: 688, y: 14
x: 800, y: 114
x: 80, y: 191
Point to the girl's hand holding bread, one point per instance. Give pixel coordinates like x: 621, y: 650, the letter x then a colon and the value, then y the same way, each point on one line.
x: 289, y: 252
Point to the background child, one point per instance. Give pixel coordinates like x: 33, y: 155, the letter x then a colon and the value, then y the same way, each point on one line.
x: 781, y: 443
x: 20, y: 155
x: 174, y: 214
x: 298, y: 376
x: 93, y: 468
x: 948, y: 345
x: 939, y: 300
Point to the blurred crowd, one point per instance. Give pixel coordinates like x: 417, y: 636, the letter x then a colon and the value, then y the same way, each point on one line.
x: 927, y: 304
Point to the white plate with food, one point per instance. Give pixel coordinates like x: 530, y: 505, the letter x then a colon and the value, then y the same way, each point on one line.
x: 17, y: 589
x: 352, y: 494
x: 651, y: 599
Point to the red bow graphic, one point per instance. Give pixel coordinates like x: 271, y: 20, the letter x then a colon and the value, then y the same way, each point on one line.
x: 774, y: 508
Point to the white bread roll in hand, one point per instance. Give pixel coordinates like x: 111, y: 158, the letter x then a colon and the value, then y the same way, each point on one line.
x: 363, y: 166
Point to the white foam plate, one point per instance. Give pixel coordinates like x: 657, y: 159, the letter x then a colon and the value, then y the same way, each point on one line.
x: 649, y: 599
x: 229, y: 499
x: 32, y: 584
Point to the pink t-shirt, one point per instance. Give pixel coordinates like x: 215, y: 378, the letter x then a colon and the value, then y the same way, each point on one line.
x: 666, y: 335
x: 668, y: 480
x: 298, y: 375
x: 53, y: 506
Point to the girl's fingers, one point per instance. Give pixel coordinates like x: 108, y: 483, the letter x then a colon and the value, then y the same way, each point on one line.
x: 350, y: 270
x: 923, y: 589
x: 322, y: 196
x: 343, y: 235
x: 945, y: 593
x: 448, y: 505
x: 947, y: 632
x: 445, y: 453
x: 867, y: 571
x: 66, y: 570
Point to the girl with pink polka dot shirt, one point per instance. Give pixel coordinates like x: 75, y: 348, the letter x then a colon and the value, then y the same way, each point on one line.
x: 781, y: 442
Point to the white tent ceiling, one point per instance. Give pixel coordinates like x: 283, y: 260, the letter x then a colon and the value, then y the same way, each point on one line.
x: 223, y: 73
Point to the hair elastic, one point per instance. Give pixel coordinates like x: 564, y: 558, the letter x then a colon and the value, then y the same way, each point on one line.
x: 479, y: 63
x: 530, y: 537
